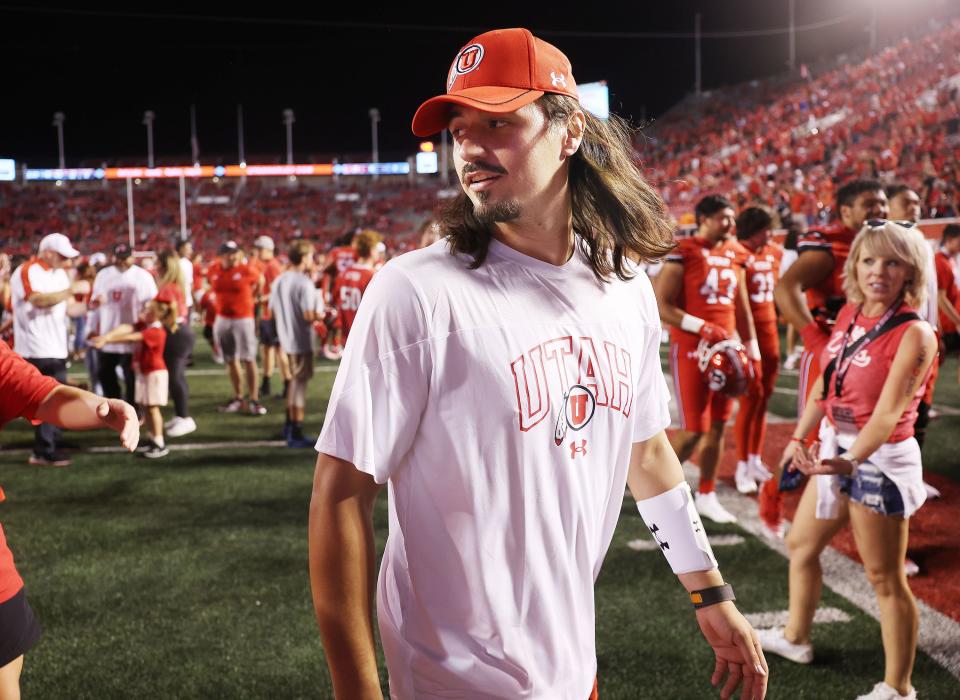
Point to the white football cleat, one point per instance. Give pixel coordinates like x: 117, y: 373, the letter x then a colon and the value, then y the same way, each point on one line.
x: 743, y: 479
x: 709, y: 506
x: 758, y: 471
x: 910, y: 567
x: 932, y: 491
x: 882, y: 691
x: 773, y: 533
x: 772, y: 640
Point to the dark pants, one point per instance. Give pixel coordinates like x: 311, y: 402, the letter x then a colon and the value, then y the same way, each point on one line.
x: 46, y: 435
x: 176, y: 354
x: 108, y: 375
x: 923, y: 420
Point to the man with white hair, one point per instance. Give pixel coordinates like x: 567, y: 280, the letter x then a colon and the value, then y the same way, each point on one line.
x: 40, y: 291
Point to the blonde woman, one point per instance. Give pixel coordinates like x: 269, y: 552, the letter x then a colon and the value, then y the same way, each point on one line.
x: 179, y: 344
x: 866, y: 462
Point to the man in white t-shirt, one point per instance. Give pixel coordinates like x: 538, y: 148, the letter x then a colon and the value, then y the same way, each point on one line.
x: 119, y: 293
x: 40, y: 290
x: 506, y: 383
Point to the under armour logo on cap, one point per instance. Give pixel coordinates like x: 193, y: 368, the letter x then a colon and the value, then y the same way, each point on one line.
x: 558, y: 80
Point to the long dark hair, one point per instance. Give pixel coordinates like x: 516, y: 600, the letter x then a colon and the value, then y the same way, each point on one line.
x: 616, y: 213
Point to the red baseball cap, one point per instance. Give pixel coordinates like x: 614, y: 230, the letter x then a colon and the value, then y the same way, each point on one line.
x: 499, y: 71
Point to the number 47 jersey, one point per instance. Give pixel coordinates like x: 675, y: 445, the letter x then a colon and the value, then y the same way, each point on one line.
x: 710, y: 278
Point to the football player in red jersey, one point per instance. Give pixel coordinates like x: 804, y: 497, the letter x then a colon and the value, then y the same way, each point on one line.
x: 810, y: 294
x: 702, y: 296
x: 948, y: 290
x: 754, y: 230
x: 352, y: 282
x: 339, y: 258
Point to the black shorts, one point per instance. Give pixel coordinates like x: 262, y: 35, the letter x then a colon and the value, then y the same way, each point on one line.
x: 19, y: 629
x: 268, y: 333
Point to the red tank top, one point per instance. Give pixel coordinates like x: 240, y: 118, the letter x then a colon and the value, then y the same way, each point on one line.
x: 867, y: 372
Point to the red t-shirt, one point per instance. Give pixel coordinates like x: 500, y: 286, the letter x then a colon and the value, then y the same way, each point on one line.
x: 762, y: 275
x: 868, y: 371
x: 271, y: 269
x: 149, y: 357
x: 176, y: 291
x: 347, y: 292
x: 234, y: 288
x: 23, y: 389
x: 947, y: 280
x: 836, y: 240
x: 710, y: 278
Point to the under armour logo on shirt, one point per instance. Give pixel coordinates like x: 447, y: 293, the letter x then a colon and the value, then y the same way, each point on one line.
x: 558, y: 80
x: 574, y: 449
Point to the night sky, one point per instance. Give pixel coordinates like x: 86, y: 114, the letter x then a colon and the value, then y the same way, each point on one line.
x: 103, y: 68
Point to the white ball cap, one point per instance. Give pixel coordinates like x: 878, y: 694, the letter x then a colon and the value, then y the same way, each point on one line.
x: 264, y: 242
x: 58, y: 243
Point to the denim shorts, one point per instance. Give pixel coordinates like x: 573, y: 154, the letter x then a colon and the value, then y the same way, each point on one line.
x: 871, y: 488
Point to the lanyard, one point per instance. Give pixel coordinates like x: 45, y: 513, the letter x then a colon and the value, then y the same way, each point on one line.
x: 842, y: 368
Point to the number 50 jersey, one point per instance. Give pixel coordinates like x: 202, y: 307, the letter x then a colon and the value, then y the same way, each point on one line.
x: 710, y: 280
x: 348, y: 289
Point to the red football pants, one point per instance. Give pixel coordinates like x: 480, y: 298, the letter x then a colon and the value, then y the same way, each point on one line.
x: 750, y: 428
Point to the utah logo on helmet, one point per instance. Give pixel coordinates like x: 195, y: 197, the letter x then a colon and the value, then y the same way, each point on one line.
x: 724, y: 367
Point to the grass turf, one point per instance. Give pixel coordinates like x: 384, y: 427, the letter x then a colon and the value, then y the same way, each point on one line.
x: 186, y: 577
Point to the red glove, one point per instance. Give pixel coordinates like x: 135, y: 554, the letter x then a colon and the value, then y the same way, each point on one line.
x: 713, y: 334
x: 814, y: 338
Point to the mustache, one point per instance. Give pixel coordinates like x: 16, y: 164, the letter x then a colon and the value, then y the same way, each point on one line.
x: 481, y: 165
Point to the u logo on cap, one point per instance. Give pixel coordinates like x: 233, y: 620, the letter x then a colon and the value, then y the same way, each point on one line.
x: 467, y: 60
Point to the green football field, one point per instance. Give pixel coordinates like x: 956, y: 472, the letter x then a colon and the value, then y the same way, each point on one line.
x: 186, y: 577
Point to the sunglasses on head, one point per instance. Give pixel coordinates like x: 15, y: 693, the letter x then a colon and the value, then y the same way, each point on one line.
x: 877, y: 223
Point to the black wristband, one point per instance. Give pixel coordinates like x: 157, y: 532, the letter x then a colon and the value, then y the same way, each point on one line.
x: 712, y: 596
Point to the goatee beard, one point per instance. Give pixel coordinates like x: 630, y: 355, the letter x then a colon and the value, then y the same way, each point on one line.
x: 487, y: 214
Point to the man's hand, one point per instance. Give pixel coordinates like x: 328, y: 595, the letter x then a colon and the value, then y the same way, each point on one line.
x: 120, y: 416
x: 737, y: 649
x: 713, y: 334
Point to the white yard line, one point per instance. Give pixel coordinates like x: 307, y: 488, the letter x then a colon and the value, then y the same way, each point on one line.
x: 211, y: 372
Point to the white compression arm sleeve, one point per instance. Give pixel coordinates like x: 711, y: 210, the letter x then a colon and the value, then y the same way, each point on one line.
x: 675, y: 525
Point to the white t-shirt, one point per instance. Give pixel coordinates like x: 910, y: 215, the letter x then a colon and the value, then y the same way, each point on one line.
x: 39, y: 332
x: 450, y: 387
x: 119, y: 298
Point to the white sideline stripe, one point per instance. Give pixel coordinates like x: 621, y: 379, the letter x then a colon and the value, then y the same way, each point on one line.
x: 938, y: 633
x: 647, y: 545
x: 212, y: 372
x: 766, y: 620
x: 174, y: 447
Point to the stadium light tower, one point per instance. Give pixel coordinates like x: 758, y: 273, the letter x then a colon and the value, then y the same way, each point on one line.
x: 148, y: 118
x: 58, y: 119
x: 375, y: 151
x: 288, y: 120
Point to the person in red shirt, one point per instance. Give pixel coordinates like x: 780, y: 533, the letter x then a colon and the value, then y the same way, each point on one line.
x: 351, y: 283
x: 948, y: 290
x: 702, y: 296
x: 868, y: 470
x: 270, y: 268
x: 237, y: 284
x: 754, y: 226
x: 338, y: 259
x: 29, y: 394
x: 152, y: 378
x: 810, y: 294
